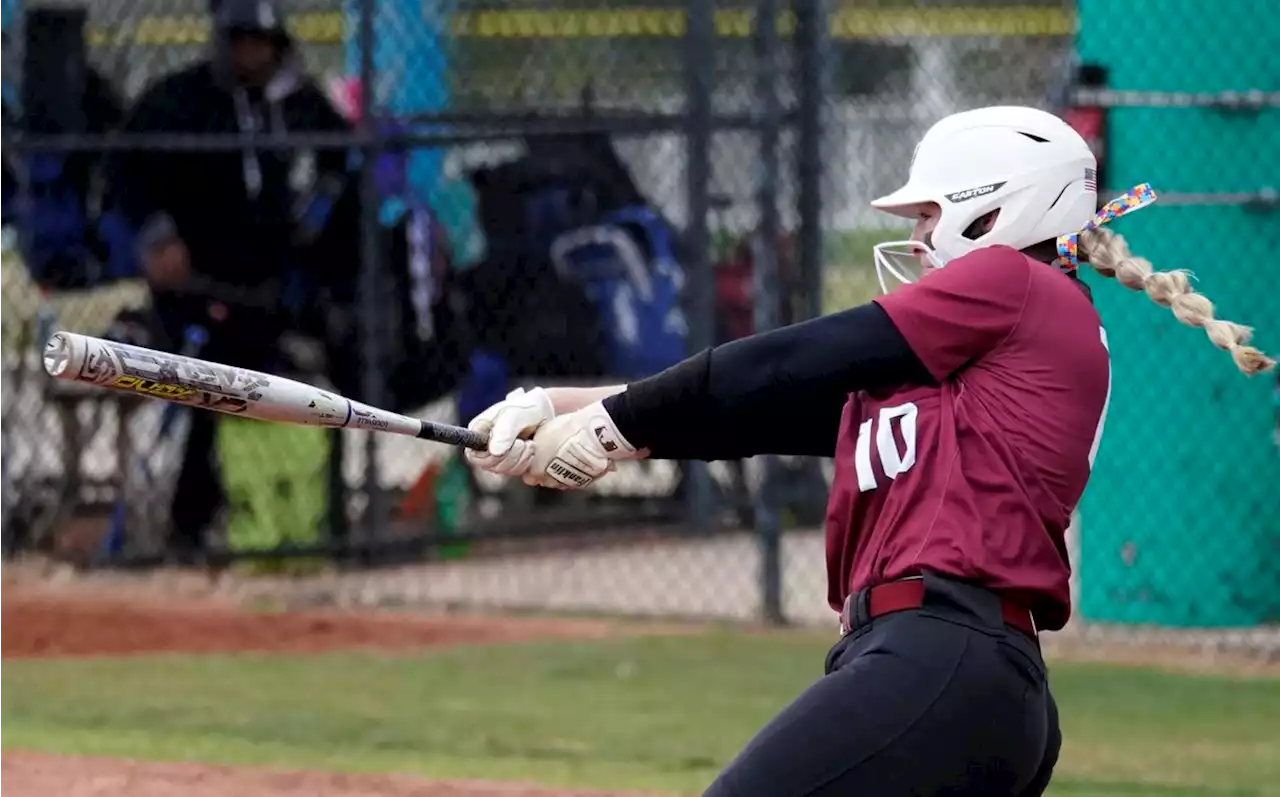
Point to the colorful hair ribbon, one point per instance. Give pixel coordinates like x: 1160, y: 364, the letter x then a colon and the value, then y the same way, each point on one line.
x: 1069, y: 245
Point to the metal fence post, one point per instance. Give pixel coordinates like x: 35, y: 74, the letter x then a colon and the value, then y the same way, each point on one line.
x: 370, y: 286
x: 338, y: 530
x: 700, y: 75
x: 768, y: 521
x: 811, y: 69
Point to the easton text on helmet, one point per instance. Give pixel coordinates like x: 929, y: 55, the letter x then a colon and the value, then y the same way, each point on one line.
x: 972, y: 193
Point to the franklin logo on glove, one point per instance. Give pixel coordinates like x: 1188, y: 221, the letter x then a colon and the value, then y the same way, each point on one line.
x: 564, y: 472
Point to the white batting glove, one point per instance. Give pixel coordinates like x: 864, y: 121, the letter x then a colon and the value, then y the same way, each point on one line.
x: 573, y: 450
x: 510, y: 423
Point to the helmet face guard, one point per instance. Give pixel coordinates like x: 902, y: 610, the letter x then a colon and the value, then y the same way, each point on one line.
x: 903, y: 262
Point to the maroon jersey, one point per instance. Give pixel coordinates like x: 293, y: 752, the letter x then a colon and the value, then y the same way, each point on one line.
x: 975, y: 477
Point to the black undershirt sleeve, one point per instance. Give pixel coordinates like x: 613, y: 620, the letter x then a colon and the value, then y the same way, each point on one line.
x: 779, y: 392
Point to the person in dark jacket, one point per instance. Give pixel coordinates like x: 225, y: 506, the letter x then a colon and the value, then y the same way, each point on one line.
x: 218, y: 231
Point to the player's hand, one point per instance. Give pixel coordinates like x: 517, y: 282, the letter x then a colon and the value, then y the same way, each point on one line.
x: 510, y: 423
x: 573, y: 450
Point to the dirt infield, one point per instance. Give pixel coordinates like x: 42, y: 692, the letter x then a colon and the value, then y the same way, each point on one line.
x: 30, y: 775
x: 49, y: 621
x: 38, y: 624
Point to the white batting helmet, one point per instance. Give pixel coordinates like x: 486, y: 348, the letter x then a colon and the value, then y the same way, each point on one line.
x: 1028, y: 164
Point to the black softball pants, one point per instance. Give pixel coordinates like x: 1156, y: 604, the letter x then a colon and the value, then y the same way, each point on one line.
x: 941, y: 700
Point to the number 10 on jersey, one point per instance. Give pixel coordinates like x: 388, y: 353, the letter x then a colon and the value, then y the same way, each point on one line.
x: 892, y: 459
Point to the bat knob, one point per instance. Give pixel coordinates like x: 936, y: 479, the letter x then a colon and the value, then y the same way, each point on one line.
x: 57, y: 354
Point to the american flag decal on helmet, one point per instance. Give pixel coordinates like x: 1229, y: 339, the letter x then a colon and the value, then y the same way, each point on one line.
x: 1091, y: 180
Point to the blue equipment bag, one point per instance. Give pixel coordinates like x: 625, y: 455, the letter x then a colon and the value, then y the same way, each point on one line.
x: 627, y: 266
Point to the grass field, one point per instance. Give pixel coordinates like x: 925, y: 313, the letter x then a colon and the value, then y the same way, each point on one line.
x: 652, y: 713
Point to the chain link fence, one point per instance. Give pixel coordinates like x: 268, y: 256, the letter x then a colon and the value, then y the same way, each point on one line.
x: 736, y: 149
x: 1194, y: 546
x: 493, y: 134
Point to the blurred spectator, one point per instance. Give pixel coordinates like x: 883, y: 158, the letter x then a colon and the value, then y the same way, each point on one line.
x: 218, y: 232
x: 52, y: 197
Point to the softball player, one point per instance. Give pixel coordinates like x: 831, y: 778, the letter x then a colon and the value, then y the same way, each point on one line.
x: 964, y: 410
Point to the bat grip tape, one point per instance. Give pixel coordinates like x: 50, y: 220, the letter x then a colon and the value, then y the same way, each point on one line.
x: 454, y: 435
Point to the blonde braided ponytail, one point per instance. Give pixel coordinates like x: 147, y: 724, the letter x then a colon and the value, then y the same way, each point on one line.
x: 1109, y: 255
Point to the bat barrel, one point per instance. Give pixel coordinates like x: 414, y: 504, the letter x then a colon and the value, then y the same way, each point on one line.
x: 229, y: 390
